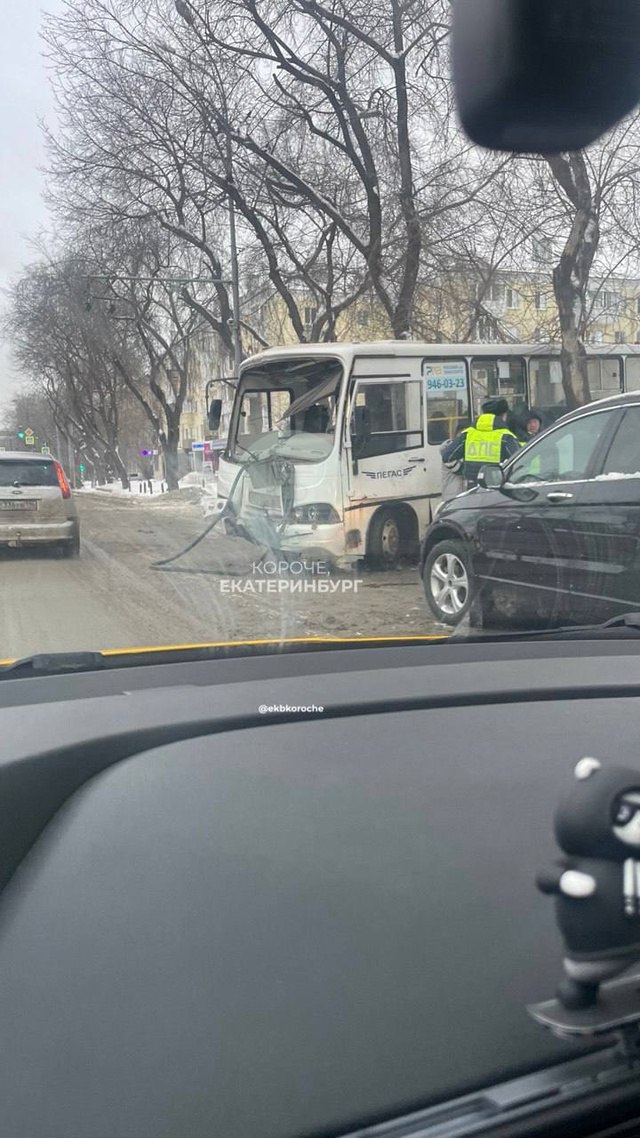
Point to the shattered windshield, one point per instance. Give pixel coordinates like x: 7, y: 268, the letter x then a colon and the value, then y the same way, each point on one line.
x: 287, y: 409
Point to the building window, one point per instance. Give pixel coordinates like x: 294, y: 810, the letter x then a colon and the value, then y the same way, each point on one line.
x: 310, y: 313
x: 495, y: 293
x: 363, y: 319
x: 486, y: 330
x: 513, y: 300
x: 541, y: 250
x: 606, y: 299
x: 540, y: 300
x: 619, y: 337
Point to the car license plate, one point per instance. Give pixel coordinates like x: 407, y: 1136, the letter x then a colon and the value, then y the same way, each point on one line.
x: 8, y: 504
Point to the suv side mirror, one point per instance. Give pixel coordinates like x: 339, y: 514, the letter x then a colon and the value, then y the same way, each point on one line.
x: 490, y: 477
x: 214, y: 414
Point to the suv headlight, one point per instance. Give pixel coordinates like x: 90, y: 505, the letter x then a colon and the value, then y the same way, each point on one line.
x: 315, y: 514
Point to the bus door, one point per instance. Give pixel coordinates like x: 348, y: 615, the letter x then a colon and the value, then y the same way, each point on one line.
x: 446, y: 388
x: 385, y: 440
x: 632, y: 372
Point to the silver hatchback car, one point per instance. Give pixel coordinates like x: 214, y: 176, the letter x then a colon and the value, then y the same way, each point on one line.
x: 36, y: 503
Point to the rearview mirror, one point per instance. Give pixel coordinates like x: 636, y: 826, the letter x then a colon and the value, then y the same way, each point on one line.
x: 490, y: 477
x: 214, y: 414
x: 543, y: 76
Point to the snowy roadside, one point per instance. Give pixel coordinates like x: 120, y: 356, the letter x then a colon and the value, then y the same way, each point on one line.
x: 191, y: 494
x: 137, y: 489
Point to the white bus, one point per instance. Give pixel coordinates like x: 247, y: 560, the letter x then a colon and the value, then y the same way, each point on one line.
x: 339, y: 444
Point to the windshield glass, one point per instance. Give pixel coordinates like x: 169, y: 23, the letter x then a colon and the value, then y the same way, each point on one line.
x: 285, y: 356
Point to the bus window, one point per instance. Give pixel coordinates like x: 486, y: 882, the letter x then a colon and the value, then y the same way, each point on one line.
x: 447, y: 398
x: 547, y: 392
x: 632, y: 373
x: 604, y: 377
x: 392, y: 413
x: 492, y: 377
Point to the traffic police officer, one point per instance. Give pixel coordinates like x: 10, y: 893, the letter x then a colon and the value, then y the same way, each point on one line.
x: 488, y: 442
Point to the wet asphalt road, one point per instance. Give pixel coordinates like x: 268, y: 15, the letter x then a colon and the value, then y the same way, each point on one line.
x: 110, y: 597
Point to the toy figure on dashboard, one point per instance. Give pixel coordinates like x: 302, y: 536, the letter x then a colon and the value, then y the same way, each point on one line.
x: 597, y: 884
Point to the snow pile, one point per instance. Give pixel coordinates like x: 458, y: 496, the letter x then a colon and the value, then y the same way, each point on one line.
x: 193, y: 478
x: 207, y: 484
x: 137, y: 489
x: 185, y: 496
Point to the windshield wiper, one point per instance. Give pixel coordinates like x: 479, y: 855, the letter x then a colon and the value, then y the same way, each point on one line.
x: 52, y: 663
x: 626, y: 626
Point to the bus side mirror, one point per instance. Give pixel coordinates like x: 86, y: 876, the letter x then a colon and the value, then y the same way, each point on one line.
x: 214, y: 414
x: 544, y: 76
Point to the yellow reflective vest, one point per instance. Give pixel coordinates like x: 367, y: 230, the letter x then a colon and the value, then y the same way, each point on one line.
x: 483, y: 442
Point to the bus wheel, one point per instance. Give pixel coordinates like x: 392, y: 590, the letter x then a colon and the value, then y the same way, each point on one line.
x: 384, y: 542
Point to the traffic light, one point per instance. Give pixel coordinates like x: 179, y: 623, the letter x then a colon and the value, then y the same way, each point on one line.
x: 20, y: 432
x: 81, y: 468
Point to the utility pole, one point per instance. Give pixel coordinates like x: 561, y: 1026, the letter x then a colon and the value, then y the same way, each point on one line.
x: 72, y: 463
x: 235, y: 275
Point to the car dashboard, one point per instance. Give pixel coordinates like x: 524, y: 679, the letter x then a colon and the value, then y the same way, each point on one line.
x: 221, y: 919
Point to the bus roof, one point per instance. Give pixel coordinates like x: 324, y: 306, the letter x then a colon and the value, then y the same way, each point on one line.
x: 408, y: 348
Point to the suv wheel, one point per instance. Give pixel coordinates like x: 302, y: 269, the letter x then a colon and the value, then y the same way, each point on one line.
x: 448, y: 581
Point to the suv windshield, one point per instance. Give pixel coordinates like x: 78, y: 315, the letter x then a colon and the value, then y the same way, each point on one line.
x: 296, y: 360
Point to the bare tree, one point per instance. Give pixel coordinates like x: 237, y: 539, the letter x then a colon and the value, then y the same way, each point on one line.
x: 572, y: 272
x: 330, y: 129
x: 148, y: 323
x: 57, y: 343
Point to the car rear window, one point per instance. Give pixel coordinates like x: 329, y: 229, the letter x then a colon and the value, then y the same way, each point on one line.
x: 16, y: 472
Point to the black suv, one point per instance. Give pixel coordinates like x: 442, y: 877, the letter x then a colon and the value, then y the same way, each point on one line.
x: 551, y: 537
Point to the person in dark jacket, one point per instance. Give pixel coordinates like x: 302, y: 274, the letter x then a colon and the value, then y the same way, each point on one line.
x: 488, y: 442
x: 453, y: 482
x: 533, y: 421
x: 525, y: 423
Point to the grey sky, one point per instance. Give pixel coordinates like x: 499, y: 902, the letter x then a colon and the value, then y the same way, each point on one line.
x: 24, y: 98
